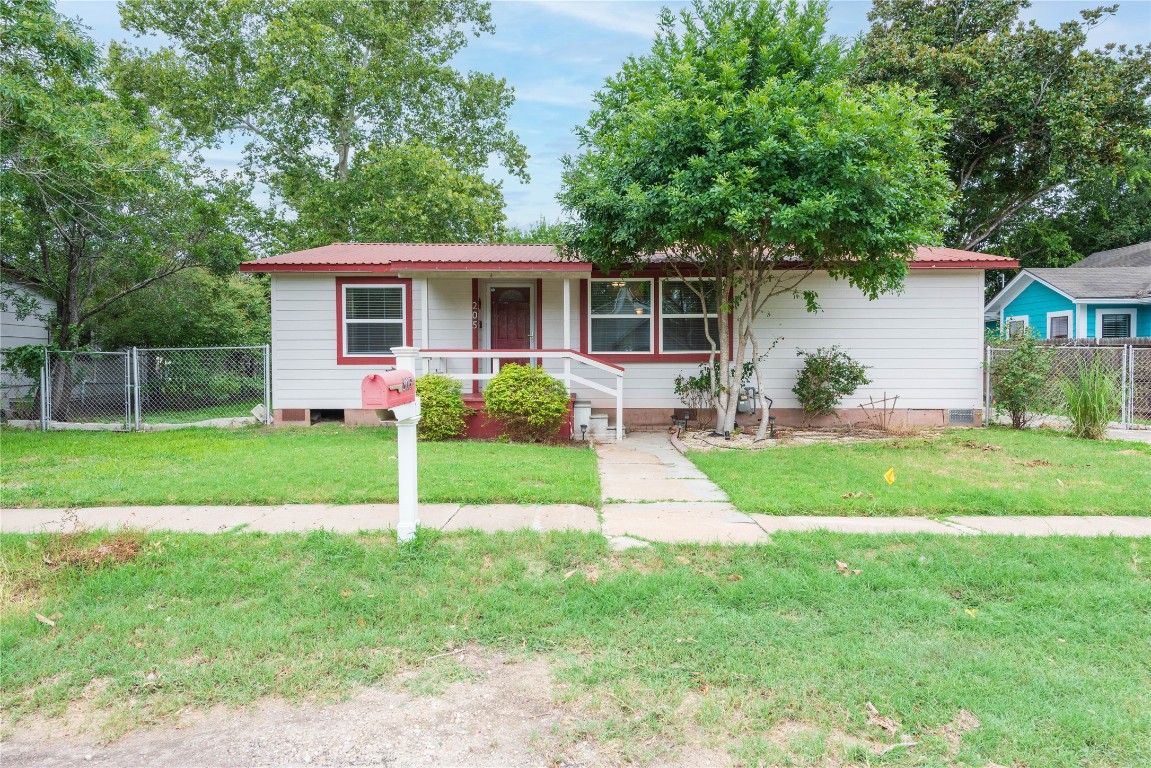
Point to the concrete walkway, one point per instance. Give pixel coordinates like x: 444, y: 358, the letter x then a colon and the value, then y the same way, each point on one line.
x: 703, y: 522
x: 651, y: 493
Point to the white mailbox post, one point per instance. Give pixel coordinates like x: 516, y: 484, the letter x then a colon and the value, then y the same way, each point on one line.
x: 395, y: 391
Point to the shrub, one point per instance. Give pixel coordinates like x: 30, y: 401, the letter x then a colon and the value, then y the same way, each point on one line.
x: 530, y: 403
x: 1020, y: 369
x: 828, y: 375
x: 1091, y: 400
x: 698, y: 392
x: 442, y: 409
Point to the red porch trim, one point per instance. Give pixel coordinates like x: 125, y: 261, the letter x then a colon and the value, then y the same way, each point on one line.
x: 477, y: 319
x: 341, y: 358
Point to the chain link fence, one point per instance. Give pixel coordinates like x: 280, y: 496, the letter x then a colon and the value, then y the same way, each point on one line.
x: 1128, y: 366
x: 1139, y: 393
x: 190, y: 385
x: 143, y: 389
x: 19, y: 394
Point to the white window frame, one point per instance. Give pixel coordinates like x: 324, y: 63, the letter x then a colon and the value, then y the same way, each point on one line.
x: 1131, y: 312
x: 1070, y: 315
x: 652, y: 315
x: 402, y: 321
x: 1007, y: 321
x: 704, y: 316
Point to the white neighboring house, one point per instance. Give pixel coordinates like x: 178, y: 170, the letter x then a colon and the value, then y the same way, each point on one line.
x: 16, y: 331
x: 616, y: 340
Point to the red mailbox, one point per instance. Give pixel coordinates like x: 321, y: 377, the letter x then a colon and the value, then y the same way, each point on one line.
x: 388, y: 390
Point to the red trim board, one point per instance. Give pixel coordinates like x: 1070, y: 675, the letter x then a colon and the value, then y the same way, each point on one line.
x: 341, y: 358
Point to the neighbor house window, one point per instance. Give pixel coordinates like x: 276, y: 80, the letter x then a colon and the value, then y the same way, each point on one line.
x: 620, y: 315
x: 1015, y: 326
x: 1059, y: 325
x: 1114, y: 323
x: 373, y: 319
x: 684, y: 323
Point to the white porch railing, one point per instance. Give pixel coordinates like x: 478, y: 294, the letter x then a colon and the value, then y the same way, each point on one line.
x: 494, y: 356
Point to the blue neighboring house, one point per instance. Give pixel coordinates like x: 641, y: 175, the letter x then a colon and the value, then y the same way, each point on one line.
x: 1106, y: 295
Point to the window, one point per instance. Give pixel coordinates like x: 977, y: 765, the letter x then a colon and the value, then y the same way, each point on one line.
x: 373, y: 320
x: 1016, y: 325
x: 620, y: 316
x: 1059, y: 325
x: 682, y: 316
x: 1114, y: 323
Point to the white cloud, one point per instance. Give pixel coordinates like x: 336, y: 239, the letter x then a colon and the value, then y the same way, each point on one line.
x: 563, y: 93
x: 630, y: 18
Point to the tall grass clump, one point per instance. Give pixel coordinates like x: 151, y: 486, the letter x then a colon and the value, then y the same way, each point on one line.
x: 1091, y: 399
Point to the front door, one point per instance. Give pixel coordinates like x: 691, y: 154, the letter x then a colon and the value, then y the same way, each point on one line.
x: 511, y: 320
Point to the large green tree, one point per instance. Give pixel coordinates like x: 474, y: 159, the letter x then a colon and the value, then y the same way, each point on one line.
x: 92, y: 205
x: 337, y: 100
x: 738, y: 148
x: 1032, y: 109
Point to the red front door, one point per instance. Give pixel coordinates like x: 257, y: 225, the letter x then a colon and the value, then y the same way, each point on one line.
x: 512, y: 321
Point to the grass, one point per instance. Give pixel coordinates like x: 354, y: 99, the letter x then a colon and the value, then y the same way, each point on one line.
x: 222, y: 411
x: 982, y: 472
x: 327, y: 464
x: 1044, y: 641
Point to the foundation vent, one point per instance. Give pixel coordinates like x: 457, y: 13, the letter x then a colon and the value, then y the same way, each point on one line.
x: 961, y: 416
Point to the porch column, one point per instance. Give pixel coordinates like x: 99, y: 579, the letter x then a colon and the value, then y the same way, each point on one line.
x: 567, y: 332
x: 1081, y: 321
x: 567, y: 313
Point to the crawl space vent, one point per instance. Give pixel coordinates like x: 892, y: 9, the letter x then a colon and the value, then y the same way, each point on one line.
x: 961, y: 416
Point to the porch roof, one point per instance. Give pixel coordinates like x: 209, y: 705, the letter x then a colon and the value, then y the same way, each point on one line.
x: 407, y: 257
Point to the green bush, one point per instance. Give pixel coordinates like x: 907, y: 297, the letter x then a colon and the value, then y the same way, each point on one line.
x: 1091, y: 399
x: 531, y: 404
x: 1020, y: 369
x: 442, y: 409
x: 828, y: 375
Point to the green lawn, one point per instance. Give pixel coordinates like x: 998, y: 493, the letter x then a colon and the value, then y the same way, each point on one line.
x: 323, y: 464
x: 1043, y: 641
x: 963, y: 471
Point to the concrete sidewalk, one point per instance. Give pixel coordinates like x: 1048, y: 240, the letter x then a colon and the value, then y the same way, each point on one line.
x: 661, y: 522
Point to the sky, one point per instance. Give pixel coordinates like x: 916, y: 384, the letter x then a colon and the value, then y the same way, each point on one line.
x: 556, y: 54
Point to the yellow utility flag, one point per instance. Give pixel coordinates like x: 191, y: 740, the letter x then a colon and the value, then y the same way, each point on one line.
x: 889, y: 476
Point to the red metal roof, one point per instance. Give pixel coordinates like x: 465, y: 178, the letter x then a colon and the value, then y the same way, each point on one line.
x: 394, y: 257
x: 927, y: 256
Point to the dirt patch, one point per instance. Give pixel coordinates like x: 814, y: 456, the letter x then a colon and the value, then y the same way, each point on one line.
x: 704, y: 440
x: 952, y: 732
x: 471, y: 708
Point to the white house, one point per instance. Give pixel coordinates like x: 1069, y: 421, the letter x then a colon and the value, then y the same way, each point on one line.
x: 19, y: 331
x: 617, y: 341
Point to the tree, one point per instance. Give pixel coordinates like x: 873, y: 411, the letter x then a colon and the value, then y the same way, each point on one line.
x: 1108, y: 209
x: 92, y: 205
x: 408, y: 193
x: 337, y: 99
x: 541, y: 232
x: 1032, y: 109
x: 737, y: 148
x: 191, y: 309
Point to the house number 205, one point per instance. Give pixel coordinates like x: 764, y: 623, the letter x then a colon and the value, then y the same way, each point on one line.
x: 475, y: 314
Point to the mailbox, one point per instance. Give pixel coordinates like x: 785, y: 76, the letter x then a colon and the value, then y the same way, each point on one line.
x: 388, y: 390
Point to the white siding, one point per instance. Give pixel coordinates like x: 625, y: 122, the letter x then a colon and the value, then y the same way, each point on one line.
x: 16, y: 332
x: 924, y: 345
